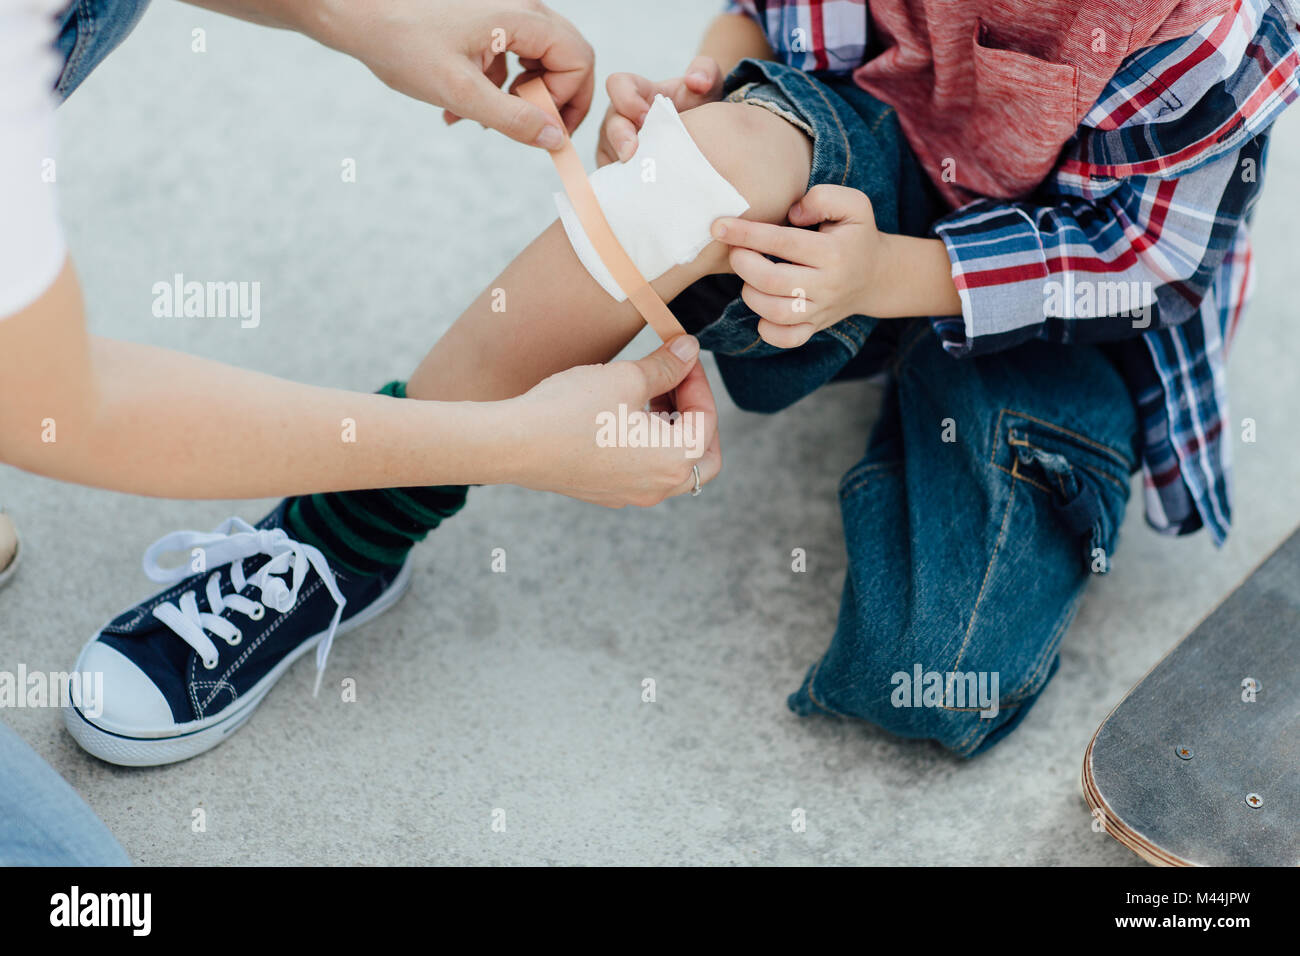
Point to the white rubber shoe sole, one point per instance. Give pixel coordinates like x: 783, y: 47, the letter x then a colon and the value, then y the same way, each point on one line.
x: 153, y: 747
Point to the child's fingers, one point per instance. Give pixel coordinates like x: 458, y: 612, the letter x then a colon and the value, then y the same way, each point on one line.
x: 704, y: 77
x: 784, y: 242
x: 702, y: 83
x: 776, y: 309
x: 620, y: 134
x: 630, y: 95
x: 785, y: 336
x: 826, y: 203
x: 777, y: 278
x: 605, y: 152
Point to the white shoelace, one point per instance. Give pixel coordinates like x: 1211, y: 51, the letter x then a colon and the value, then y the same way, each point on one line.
x: 233, y: 541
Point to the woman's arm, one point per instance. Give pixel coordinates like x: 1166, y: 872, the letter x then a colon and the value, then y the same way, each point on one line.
x: 448, y: 52
x: 150, y: 421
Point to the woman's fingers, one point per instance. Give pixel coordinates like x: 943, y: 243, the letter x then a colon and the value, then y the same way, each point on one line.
x: 584, y: 431
x: 709, y: 465
x: 497, y: 70
x: 547, y: 43
x: 667, y: 366
x: 690, y: 396
x: 694, y: 394
x: 695, y: 432
x: 479, y: 99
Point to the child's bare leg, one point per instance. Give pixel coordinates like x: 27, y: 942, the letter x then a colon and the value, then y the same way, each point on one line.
x: 556, y: 316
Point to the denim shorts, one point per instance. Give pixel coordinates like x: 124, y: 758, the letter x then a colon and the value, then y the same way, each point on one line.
x: 857, y: 142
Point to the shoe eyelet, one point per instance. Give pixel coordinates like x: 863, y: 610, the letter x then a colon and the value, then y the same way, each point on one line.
x: 238, y: 636
x: 212, y: 666
x: 257, y: 613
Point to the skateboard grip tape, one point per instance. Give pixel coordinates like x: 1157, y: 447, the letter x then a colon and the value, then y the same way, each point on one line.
x: 615, y: 258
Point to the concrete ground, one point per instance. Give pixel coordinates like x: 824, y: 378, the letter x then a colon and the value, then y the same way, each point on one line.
x: 522, y: 691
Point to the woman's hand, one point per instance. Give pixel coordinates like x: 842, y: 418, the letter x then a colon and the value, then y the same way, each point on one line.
x: 586, y: 433
x: 452, y: 53
x: 630, y: 97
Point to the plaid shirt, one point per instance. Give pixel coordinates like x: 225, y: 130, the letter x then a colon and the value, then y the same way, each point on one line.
x: 1137, y: 240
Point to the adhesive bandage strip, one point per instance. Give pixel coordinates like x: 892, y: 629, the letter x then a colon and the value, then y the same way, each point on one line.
x: 631, y: 222
x: 660, y: 203
x: 574, y: 177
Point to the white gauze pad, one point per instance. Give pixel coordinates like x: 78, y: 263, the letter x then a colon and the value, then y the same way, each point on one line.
x: 659, y: 204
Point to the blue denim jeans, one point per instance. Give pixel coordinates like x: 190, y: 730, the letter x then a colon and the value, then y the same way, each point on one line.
x: 42, y: 820
x: 991, y: 488
x: 90, y: 30
x: 856, y: 142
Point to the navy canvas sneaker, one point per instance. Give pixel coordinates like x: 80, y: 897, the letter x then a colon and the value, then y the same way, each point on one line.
x: 184, y: 669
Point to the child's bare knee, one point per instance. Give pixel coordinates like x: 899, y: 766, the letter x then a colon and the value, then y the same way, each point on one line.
x: 758, y: 152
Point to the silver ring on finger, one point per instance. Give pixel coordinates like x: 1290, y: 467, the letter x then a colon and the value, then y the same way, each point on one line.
x: 695, y: 470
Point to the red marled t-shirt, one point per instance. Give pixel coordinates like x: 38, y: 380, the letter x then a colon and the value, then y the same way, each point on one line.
x: 988, y: 91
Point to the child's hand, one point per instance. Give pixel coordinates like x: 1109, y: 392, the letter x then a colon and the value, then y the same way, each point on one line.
x: 630, y: 97
x: 828, y: 274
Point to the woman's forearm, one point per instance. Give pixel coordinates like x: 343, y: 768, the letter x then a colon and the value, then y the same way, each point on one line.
x: 301, y: 15
x: 150, y: 421
x: 215, y: 420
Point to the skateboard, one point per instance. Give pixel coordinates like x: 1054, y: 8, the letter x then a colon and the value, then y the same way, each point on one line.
x: 1199, y: 764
